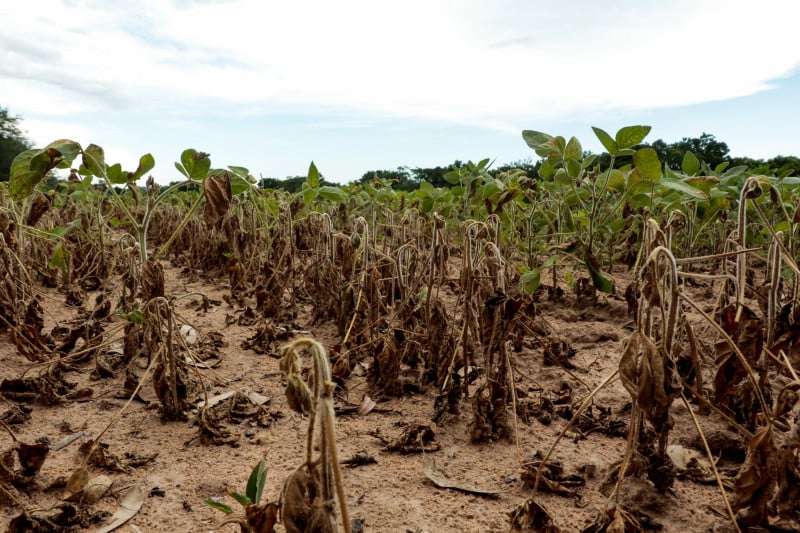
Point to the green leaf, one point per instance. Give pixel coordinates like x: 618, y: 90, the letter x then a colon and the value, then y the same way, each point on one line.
x: 631, y: 135
x: 683, y: 187
x: 31, y: 166
x: 59, y: 257
x: 550, y: 261
x: 605, y: 139
x: 573, y: 168
x: 573, y: 149
x: 313, y: 176
x: 588, y: 160
x: 426, y: 205
x: 601, y: 283
x: 614, y: 179
x: 241, y: 498
x: 60, y: 231
x: 703, y: 183
x: 646, y: 160
x: 690, y: 164
x: 219, y: 506
x: 197, y: 164
x: 530, y: 281
x: 722, y: 166
x: 385, y: 195
x: 256, y: 481
x: 243, y: 172
x: 453, y: 177
x: 552, y: 148
x: 333, y: 194
x: 239, y: 185
x: 427, y: 189
x: 180, y: 169
x: 94, y: 159
x: 114, y: 174
x: 136, y: 316
x: 117, y: 223
x: 147, y: 162
x: 67, y: 149
x: 535, y: 138
x: 546, y: 170
x: 562, y: 177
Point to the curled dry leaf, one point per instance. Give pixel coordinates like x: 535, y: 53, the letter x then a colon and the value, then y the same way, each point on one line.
x: 532, y: 517
x: 84, y: 489
x: 152, y: 279
x: 415, y: 438
x: 757, y: 478
x: 76, y: 482
x: 441, y: 480
x: 129, y: 505
x: 217, y: 190
x: 367, y: 405
x: 189, y: 334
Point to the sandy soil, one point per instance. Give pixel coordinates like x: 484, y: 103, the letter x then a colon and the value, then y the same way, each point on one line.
x: 393, y: 494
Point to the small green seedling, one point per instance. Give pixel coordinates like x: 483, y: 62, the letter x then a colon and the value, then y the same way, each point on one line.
x: 257, y: 518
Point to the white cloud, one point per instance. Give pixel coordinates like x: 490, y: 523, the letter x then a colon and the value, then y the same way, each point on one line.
x: 466, y: 62
x: 490, y: 63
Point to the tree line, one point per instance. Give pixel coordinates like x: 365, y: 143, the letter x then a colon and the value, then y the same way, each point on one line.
x: 706, y: 147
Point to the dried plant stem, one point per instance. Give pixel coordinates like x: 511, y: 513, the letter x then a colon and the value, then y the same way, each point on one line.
x: 728, y: 420
x: 10, y: 432
x: 323, y: 387
x: 10, y: 496
x: 513, y: 388
x: 118, y: 414
x: 712, y: 462
x: 736, y: 350
x: 672, y: 312
x: 712, y: 257
x: 774, y: 272
x: 787, y: 257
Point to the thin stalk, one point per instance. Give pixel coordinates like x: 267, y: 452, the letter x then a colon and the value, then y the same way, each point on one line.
x: 180, y: 227
x: 595, y: 201
x: 713, y: 463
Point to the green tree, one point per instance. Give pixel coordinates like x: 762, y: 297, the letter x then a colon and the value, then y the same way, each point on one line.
x: 12, y: 141
x: 706, y: 147
x: 401, y: 179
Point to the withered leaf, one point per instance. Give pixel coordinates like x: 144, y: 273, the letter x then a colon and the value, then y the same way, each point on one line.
x: 31, y: 457
x: 217, y: 190
x: 757, y: 478
x: 415, y: 438
x: 532, y: 517
x: 297, y: 495
x: 442, y: 481
x: 262, y: 518
x: 129, y: 505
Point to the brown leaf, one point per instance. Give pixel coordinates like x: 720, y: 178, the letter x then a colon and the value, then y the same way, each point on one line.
x: 152, y: 279
x: 39, y: 207
x: 757, y: 478
x: 442, y: 481
x: 76, y: 483
x: 129, y: 505
x: 262, y: 518
x: 297, y: 494
x: 415, y: 438
x: 217, y: 190
x: 531, y: 517
x: 367, y: 405
x: 31, y: 457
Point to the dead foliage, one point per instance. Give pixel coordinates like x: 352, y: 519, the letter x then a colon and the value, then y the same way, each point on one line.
x: 532, y: 517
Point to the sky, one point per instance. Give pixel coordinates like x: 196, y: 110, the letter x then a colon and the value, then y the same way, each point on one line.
x: 363, y: 85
